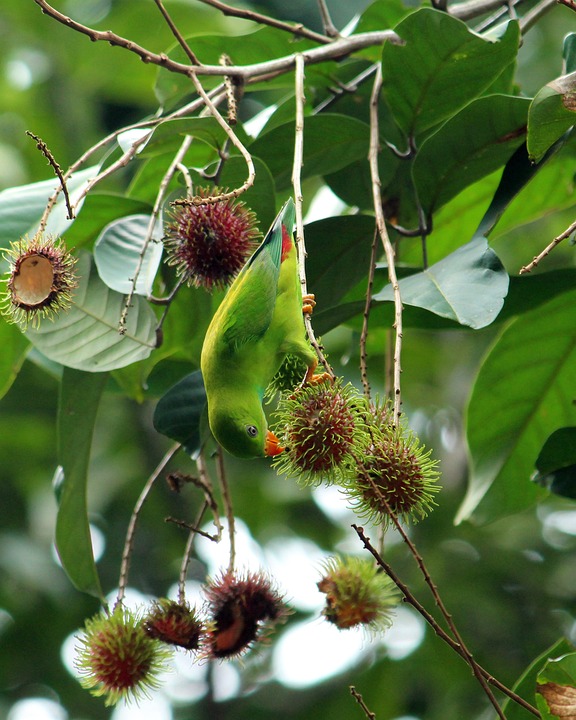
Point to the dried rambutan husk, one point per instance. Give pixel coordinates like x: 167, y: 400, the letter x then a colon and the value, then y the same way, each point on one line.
x: 174, y: 623
x: 242, y: 610
x: 210, y: 243
x: 40, y: 280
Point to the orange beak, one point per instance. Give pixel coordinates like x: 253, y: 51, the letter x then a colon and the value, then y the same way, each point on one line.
x: 272, y: 446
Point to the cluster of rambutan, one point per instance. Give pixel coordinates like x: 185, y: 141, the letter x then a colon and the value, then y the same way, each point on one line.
x: 121, y: 654
x: 333, y: 434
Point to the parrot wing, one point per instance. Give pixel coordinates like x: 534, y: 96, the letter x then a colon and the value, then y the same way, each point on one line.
x: 249, y: 305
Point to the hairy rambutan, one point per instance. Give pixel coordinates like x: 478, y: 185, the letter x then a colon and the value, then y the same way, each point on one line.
x: 288, y: 377
x: 174, y: 623
x: 242, y: 610
x: 117, y: 659
x: 395, y: 474
x: 210, y: 243
x: 358, y: 594
x: 40, y: 280
x: 322, y: 429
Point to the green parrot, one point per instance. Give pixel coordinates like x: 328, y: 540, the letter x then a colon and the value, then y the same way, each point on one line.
x: 257, y: 324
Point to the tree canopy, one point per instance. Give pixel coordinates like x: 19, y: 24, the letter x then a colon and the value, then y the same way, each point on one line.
x: 410, y: 553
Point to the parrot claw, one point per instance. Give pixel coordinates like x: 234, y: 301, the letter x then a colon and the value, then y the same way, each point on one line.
x: 308, y: 303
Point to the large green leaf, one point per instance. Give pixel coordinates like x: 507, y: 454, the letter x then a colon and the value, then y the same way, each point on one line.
x: 119, y: 250
x: 468, y: 286
x: 338, y: 256
x: 331, y: 142
x: 469, y: 146
x: 556, y: 688
x: 440, y: 67
x: 551, y: 114
x: 86, y: 336
x: 526, y: 684
x: 21, y: 207
x: 556, y: 463
x: 80, y: 395
x: 179, y: 413
x: 525, y: 389
x: 14, y: 348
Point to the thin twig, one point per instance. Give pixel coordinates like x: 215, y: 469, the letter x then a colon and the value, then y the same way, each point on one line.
x: 129, y: 542
x: 329, y: 28
x: 177, y: 34
x: 383, y: 232
x: 365, y: 317
x: 228, y: 508
x: 360, y: 700
x: 41, y: 145
x: 535, y: 13
x: 299, y: 29
x: 187, y: 555
x: 299, y: 199
x: 162, y: 189
x: 466, y: 654
x: 234, y: 139
x: 438, y: 629
x: 548, y: 249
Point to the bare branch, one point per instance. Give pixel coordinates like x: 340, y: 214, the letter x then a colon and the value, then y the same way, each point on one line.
x: 329, y: 28
x: 548, y: 249
x: 383, y: 232
x: 365, y: 316
x: 41, y: 145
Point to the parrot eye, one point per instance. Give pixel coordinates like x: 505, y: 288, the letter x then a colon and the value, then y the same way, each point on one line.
x: 252, y: 430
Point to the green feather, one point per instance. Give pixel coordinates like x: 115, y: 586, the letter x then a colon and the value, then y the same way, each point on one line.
x: 257, y: 324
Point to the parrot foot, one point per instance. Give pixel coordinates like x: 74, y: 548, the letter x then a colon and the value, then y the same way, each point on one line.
x: 308, y: 303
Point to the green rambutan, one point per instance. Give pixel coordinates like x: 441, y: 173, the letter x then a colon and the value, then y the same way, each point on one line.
x: 174, y: 623
x: 322, y: 429
x: 288, y: 377
x: 117, y: 658
x: 395, y: 474
x: 210, y: 243
x: 40, y: 280
x: 242, y: 610
x: 358, y: 593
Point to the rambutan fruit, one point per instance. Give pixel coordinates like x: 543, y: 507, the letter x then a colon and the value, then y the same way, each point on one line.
x: 322, y: 429
x: 289, y: 376
x: 40, y: 280
x: 242, y: 610
x: 117, y: 659
x: 395, y: 474
x: 210, y: 243
x: 174, y: 623
x: 358, y: 593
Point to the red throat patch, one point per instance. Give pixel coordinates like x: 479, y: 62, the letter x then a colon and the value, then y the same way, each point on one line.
x: 286, y: 243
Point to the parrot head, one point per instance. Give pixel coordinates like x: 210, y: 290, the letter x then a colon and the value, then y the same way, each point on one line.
x: 244, y: 433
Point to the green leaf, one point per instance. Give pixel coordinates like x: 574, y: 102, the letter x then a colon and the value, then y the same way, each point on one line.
x: 556, y: 688
x: 180, y: 412
x: 22, y: 207
x: 440, y: 67
x: 14, y: 349
x: 526, y: 684
x: 119, y: 250
x: 80, y: 395
x: 556, y: 463
x: 569, y: 52
x: 98, y: 210
x: 551, y: 114
x: 524, y: 390
x: 339, y: 251
x: 86, y: 336
x: 262, y: 45
x: 331, y: 142
x: 468, y: 286
x: 469, y: 146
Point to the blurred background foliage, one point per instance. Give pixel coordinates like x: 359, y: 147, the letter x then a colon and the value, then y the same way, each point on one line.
x: 510, y: 585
